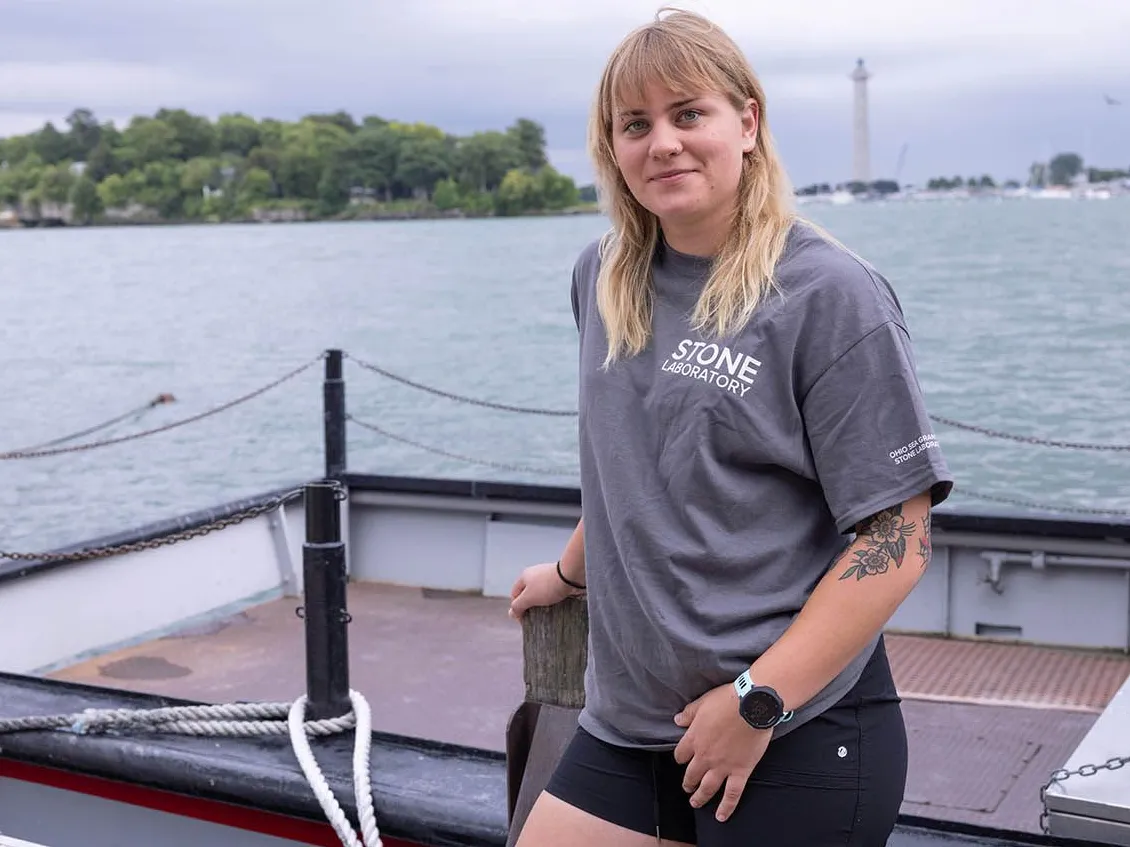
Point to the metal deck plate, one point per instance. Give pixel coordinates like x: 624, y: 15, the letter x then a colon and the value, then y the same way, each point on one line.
x: 991, y: 765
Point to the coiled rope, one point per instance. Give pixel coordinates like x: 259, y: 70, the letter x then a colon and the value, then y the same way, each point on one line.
x: 245, y: 720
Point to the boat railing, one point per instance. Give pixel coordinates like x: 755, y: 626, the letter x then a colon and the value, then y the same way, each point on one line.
x: 336, y: 419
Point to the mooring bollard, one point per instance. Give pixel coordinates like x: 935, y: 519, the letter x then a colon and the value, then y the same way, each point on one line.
x: 324, y: 610
x: 554, y: 654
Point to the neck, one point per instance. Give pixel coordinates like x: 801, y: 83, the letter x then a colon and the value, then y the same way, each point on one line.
x: 703, y: 237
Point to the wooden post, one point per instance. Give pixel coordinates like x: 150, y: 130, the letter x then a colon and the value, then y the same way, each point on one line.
x: 554, y: 653
x: 555, y: 649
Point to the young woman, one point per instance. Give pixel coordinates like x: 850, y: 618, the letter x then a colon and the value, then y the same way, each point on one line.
x: 757, y: 472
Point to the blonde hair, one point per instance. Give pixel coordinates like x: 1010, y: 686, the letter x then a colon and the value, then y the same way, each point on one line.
x: 685, y: 52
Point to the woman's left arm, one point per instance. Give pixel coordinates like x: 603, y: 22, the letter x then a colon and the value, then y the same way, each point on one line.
x: 851, y: 603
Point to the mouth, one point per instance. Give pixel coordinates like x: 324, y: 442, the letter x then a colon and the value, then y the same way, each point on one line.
x: 670, y: 176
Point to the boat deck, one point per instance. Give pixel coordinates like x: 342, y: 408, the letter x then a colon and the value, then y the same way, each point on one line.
x: 987, y: 722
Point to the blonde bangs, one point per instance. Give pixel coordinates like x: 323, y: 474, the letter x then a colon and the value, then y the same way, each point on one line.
x: 655, y: 56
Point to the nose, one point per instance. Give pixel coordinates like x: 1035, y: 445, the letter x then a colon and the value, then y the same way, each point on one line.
x: 664, y: 141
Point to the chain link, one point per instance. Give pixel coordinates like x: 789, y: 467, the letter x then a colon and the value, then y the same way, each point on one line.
x: 90, y: 445
x: 561, y: 413
x: 1029, y: 439
x: 459, y: 457
x: 162, y: 541
x: 1112, y: 764
x: 1029, y: 504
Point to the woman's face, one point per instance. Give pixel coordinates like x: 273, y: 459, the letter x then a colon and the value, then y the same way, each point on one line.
x: 681, y: 154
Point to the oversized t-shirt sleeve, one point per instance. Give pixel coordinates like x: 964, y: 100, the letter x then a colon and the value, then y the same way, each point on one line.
x: 871, y: 438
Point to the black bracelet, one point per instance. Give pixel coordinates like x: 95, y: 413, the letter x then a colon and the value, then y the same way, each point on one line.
x: 566, y: 579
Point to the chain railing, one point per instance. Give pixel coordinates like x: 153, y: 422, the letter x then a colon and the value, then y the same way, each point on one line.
x: 63, y: 445
x: 1061, y: 774
x: 460, y: 398
x: 509, y: 466
x: 1030, y: 439
x: 165, y: 540
x: 133, y: 436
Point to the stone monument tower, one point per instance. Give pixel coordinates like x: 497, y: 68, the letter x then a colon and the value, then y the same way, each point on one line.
x: 861, y: 138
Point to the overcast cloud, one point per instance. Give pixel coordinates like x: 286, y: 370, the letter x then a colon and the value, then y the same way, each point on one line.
x: 968, y: 86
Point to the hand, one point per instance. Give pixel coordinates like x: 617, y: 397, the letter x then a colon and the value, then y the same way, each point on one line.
x: 718, y: 746
x: 538, y: 585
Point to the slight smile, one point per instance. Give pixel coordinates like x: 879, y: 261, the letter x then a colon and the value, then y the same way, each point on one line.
x: 670, y: 176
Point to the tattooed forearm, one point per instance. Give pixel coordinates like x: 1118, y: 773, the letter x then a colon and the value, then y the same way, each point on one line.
x: 925, y: 548
x: 880, y: 542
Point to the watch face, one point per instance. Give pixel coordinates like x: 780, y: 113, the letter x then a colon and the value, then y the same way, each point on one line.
x: 760, y: 708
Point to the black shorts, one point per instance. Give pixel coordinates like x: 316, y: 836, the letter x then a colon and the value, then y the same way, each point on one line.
x: 838, y: 779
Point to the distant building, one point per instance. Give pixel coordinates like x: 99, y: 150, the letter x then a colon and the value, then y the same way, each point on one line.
x: 861, y: 136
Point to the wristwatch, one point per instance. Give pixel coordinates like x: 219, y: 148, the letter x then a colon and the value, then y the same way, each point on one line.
x: 759, y: 705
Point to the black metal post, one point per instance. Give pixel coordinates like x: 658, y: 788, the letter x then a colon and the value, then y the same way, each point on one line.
x: 323, y: 570
x: 334, y: 413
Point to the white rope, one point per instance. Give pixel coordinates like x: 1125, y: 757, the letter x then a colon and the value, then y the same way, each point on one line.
x: 361, y: 786
x: 242, y: 720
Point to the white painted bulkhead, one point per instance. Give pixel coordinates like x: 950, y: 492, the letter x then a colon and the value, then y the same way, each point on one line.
x: 1076, y: 595
x: 60, y: 615
x: 1053, y: 591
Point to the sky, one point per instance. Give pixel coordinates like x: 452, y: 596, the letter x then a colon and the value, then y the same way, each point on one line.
x: 959, y: 87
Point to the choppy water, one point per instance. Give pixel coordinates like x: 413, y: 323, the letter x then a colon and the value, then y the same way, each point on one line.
x: 1020, y: 313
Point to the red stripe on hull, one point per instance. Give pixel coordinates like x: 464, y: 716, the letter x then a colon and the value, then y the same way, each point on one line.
x: 212, y: 811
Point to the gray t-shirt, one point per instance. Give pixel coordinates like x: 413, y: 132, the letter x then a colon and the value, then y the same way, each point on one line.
x: 721, y: 479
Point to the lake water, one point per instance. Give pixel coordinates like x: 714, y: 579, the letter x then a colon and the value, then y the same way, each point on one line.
x: 1020, y: 312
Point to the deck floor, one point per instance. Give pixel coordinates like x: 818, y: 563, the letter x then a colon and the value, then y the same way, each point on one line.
x: 986, y: 722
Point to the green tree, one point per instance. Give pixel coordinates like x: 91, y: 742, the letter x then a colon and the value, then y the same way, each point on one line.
x: 422, y: 164
x: 102, y: 161
x: 529, y: 138
x: 557, y: 190
x: 483, y: 159
x: 148, y: 140
x: 117, y: 191
x: 84, y: 135
x: 519, y: 192
x: 340, y: 118
x: 52, y: 145
x: 194, y: 136
x: 84, y: 199
x: 237, y: 134
x: 446, y: 195
x: 1064, y: 167
x: 55, y: 183
x: 255, y: 187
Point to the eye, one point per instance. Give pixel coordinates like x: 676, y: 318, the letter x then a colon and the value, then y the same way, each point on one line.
x: 690, y: 114
x: 634, y: 126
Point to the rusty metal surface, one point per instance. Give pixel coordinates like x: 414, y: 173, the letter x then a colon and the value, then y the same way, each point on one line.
x: 986, y: 722
x: 1009, y: 674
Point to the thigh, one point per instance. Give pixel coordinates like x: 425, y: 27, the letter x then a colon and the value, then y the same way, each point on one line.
x: 555, y: 823
x: 837, y: 781
x: 600, y: 794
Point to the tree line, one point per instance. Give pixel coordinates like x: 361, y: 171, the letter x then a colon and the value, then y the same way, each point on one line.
x: 175, y: 165
x: 1061, y: 170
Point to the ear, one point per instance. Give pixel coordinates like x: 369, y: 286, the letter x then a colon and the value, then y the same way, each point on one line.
x: 751, y: 120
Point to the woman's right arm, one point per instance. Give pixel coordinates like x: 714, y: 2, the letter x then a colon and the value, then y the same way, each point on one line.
x: 541, y: 585
x: 573, y: 556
